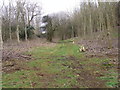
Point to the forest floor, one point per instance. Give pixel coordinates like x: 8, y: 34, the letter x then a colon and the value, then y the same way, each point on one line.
x: 40, y: 64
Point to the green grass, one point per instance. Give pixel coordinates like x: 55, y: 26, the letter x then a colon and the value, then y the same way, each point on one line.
x: 66, y: 41
x: 56, y: 67
x: 111, y: 77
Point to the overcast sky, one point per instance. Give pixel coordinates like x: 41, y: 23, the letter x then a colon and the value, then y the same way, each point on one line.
x: 53, y: 6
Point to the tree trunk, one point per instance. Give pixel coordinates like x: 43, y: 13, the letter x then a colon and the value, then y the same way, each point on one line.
x: 1, y: 41
x: 49, y: 30
x: 10, y: 30
x: 17, y: 32
x: 26, y: 34
x: 10, y: 20
x: 1, y: 47
x: 91, y: 31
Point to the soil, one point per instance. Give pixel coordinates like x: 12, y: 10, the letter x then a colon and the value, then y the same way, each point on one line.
x: 13, y: 54
x: 94, y: 48
x: 100, y: 48
x: 13, y: 50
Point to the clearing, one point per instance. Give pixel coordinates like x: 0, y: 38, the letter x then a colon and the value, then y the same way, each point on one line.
x: 58, y: 65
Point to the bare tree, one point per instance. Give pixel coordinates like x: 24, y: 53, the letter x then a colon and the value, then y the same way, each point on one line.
x: 17, y: 17
x: 32, y: 10
x: 23, y: 16
x: 29, y: 12
x: 10, y: 20
x: 1, y: 46
x: 1, y: 40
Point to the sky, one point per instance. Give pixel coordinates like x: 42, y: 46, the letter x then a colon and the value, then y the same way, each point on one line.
x: 54, y: 6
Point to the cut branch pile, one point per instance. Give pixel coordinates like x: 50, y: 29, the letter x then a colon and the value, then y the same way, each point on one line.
x: 8, y: 55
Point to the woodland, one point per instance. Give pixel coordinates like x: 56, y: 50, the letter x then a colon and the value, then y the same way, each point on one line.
x: 79, y: 49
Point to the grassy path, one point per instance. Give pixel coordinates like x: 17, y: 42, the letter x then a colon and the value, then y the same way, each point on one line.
x: 62, y: 66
